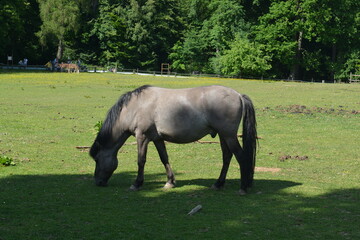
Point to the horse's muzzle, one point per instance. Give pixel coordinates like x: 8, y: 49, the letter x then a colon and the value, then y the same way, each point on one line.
x: 100, y: 183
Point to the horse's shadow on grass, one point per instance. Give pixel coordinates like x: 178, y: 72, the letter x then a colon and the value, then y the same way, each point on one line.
x: 72, y: 207
x: 156, y: 181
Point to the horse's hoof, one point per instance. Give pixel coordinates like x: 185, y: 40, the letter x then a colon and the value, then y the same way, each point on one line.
x: 216, y: 187
x: 242, y: 192
x: 168, y: 186
x: 134, y: 188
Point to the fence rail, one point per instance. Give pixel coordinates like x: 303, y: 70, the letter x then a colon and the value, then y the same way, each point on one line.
x: 22, y: 67
x: 354, y: 78
x: 100, y: 69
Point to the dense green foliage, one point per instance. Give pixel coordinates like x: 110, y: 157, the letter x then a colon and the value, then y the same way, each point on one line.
x: 300, y: 39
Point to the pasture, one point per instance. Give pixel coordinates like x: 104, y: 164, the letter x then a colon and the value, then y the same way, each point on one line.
x: 307, y: 183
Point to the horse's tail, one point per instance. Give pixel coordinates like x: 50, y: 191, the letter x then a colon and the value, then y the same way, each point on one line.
x: 249, y: 139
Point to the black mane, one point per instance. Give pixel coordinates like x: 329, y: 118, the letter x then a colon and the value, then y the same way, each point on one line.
x: 105, y: 132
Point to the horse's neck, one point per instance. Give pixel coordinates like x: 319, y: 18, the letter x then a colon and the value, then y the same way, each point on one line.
x: 121, y: 139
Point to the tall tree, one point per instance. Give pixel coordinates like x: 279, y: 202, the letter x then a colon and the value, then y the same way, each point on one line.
x: 110, y: 28
x: 60, y: 18
x: 281, y: 31
x: 154, y: 27
x: 18, y: 22
x: 213, y: 26
x: 310, y: 36
x: 85, y: 45
x: 334, y: 27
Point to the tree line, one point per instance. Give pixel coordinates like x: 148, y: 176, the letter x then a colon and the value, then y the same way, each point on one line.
x: 299, y: 39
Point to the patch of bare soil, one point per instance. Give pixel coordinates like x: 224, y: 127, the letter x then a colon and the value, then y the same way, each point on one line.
x: 283, y: 158
x: 340, y: 110
x: 266, y: 169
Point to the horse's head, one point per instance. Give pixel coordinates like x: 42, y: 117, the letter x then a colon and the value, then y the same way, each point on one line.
x: 106, y: 163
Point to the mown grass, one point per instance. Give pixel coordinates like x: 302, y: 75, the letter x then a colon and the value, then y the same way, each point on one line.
x: 308, y: 186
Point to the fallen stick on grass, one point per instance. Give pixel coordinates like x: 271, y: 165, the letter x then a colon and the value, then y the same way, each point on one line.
x: 195, y: 210
x: 206, y: 142
x: 82, y: 147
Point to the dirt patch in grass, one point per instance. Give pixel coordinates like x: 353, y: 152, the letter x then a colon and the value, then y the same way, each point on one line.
x: 266, y: 169
x: 302, y: 109
x: 283, y: 158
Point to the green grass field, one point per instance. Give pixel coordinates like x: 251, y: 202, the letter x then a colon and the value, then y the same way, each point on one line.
x: 307, y: 183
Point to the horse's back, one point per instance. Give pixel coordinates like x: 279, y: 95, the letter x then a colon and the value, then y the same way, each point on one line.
x: 185, y: 115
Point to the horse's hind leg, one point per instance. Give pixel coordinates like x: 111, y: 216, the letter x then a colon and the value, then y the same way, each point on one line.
x: 226, y: 155
x: 160, y: 146
x: 235, y: 148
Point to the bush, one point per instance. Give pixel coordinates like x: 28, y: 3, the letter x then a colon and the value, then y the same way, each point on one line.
x: 98, y: 126
x: 6, y: 161
x: 244, y: 58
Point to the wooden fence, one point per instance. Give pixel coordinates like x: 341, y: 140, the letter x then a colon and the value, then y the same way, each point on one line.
x: 354, y: 78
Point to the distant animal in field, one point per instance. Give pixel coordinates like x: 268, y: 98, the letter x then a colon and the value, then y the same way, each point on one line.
x: 70, y: 67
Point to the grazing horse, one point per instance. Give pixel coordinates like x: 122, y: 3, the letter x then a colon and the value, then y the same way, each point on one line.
x: 71, y: 67
x: 179, y: 116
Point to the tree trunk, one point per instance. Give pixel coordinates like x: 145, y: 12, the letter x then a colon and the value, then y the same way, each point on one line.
x: 298, y: 38
x: 297, y: 58
x: 333, y: 60
x: 59, y: 50
x: 95, y: 5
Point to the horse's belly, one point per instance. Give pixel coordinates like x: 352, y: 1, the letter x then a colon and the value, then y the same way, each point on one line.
x: 182, y: 133
x: 182, y: 137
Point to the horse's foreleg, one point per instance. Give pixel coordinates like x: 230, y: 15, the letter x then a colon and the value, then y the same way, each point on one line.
x: 142, y: 144
x: 161, y: 148
x: 226, y: 155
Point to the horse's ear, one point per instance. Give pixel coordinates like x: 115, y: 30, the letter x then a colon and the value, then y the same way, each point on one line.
x: 95, y: 148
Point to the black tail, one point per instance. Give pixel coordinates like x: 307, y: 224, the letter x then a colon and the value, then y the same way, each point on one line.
x: 249, y: 139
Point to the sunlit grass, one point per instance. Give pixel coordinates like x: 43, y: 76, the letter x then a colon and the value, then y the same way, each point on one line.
x: 50, y: 193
